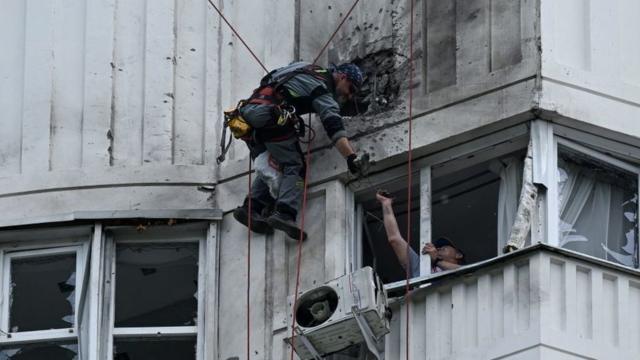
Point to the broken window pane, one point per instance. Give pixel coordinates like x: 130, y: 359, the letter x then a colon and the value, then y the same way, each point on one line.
x: 598, y: 207
x: 40, y: 351
x: 154, y: 349
x: 156, y: 284
x: 44, y: 277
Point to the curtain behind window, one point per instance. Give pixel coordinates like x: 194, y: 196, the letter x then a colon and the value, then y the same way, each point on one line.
x: 598, y: 209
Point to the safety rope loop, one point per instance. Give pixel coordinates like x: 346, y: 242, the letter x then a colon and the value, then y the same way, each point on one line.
x: 409, y: 179
x: 238, y: 35
x: 335, y: 32
x: 299, y: 251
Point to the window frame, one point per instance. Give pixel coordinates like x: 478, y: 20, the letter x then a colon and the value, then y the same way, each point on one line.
x: 195, y: 233
x: 450, y: 158
x: 21, y: 248
x: 553, y: 216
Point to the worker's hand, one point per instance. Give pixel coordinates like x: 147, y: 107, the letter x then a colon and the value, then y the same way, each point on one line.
x: 384, y: 198
x: 431, y: 250
x: 354, y: 164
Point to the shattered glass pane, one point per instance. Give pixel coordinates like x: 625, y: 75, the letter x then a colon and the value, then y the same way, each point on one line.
x: 155, y: 284
x: 154, y: 349
x: 598, y: 208
x: 44, y: 277
x: 40, y: 351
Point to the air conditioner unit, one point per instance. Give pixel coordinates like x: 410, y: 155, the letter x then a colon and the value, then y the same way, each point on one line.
x: 349, y: 310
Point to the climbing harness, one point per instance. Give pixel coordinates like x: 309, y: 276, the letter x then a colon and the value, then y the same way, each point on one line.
x: 270, y: 92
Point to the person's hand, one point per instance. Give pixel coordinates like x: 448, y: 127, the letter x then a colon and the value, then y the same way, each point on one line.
x: 354, y: 164
x: 383, y: 198
x: 358, y: 165
x: 431, y: 250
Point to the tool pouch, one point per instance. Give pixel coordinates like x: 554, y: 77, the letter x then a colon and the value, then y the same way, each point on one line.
x: 238, y: 126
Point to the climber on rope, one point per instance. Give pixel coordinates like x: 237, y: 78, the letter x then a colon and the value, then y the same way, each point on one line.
x: 269, y: 121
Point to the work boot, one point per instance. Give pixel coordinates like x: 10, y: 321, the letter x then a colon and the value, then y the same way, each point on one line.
x: 258, y: 223
x: 286, y: 222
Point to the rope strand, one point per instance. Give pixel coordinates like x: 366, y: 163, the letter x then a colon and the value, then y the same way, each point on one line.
x: 299, y: 255
x: 238, y: 35
x: 409, y: 179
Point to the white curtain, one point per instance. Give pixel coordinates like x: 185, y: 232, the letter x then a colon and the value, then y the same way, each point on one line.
x: 510, y: 172
x: 595, y: 217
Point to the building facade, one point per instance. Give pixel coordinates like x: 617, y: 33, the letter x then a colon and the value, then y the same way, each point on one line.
x: 116, y: 233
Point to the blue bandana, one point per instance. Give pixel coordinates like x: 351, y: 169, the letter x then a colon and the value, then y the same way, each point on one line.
x: 353, y: 73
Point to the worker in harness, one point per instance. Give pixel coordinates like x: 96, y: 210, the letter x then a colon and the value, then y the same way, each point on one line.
x: 272, y: 114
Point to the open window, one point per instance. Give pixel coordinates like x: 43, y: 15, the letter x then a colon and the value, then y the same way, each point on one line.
x: 376, y: 250
x: 468, y: 194
x: 597, y: 204
x: 474, y: 202
x: 42, y: 294
x: 155, y: 297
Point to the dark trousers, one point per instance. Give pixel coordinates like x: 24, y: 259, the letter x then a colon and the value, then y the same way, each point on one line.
x: 282, y: 143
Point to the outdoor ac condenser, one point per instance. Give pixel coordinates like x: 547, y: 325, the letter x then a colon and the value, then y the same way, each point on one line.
x: 349, y: 310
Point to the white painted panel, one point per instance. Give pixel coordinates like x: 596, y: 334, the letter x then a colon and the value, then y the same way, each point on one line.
x: 12, y: 38
x: 584, y: 308
x: 523, y: 298
x: 629, y: 28
x: 312, y: 260
x: 128, y: 80
x: 98, y: 83
x: 189, y: 137
x: 557, y: 294
x: 572, y: 33
x: 38, y: 64
x: 609, y: 307
x: 159, y: 87
x: 67, y: 86
x: 632, y: 312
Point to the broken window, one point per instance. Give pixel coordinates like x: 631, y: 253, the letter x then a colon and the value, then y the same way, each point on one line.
x: 39, y: 351
x: 51, y: 277
x: 42, y: 292
x: 156, y: 284
x: 597, y: 205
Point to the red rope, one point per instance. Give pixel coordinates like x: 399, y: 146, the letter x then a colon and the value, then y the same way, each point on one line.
x: 238, y: 35
x: 409, y: 178
x: 299, y: 256
x: 335, y: 32
x: 249, y: 265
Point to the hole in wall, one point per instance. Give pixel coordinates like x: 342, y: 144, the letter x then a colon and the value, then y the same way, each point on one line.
x: 381, y: 86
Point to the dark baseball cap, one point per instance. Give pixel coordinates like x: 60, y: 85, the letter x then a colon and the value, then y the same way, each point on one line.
x: 444, y: 241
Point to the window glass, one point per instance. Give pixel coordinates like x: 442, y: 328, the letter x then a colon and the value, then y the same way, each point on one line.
x: 156, y: 285
x: 153, y: 349
x: 598, y: 208
x: 42, y: 292
x: 40, y: 351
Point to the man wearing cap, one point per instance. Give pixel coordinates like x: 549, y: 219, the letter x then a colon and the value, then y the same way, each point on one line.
x: 301, y: 88
x: 444, y: 254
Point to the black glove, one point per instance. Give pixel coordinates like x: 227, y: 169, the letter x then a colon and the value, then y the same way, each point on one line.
x: 353, y: 164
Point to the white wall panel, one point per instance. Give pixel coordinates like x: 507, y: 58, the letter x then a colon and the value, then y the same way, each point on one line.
x: 496, y: 313
x: 590, y: 62
x: 12, y: 38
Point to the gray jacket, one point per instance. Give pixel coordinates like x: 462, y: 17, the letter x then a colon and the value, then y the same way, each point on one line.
x: 310, y: 94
